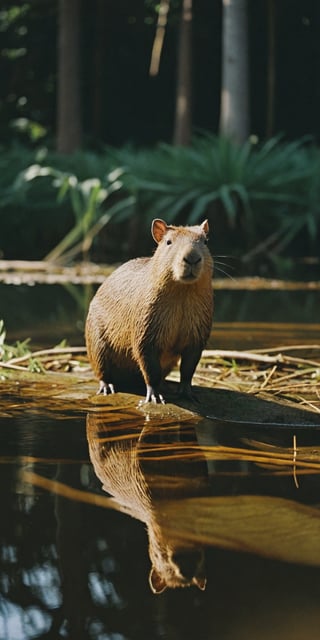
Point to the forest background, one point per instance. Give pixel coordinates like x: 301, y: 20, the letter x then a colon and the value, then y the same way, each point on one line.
x: 117, y: 111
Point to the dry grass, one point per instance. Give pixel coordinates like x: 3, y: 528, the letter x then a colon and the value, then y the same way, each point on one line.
x: 277, y: 372
x: 274, y: 372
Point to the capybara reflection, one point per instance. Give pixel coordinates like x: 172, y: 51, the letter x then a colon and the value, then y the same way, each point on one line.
x: 118, y: 465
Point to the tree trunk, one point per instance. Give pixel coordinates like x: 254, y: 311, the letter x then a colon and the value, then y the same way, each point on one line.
x: 98, y: 113
x: 234, y: 116
x: 271, y: 67
x: 69, y: 130
x: 183, y: 118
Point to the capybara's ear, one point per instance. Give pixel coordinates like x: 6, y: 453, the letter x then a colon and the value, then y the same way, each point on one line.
x: 205, y: 227
x: 201, y: 583
x: 158, y: 229
x: 157, y: 584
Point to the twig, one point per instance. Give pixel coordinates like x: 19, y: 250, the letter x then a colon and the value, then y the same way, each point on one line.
x: 268, y: 377
x: 295, y: 461
x: 258, y: 356
x: 309, y: 404
x: 241, y: 355
x: 292, y: 347
x: 44, y: 352
x: 304, y: 361
x: 8, y: 365
x: 290, y: 376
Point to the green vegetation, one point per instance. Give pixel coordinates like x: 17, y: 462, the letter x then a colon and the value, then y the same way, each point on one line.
x: 19, y: 351
x: 261, y: 199
x: 7, y: 352
x: 19, y: 357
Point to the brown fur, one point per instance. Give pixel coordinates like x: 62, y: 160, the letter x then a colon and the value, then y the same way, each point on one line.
x: 152, y: 311
x: 139, y: 494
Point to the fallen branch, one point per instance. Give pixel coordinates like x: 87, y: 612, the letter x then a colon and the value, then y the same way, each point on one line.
x: 241, y: 355
x: 55, y: 351
x: 256, y: 356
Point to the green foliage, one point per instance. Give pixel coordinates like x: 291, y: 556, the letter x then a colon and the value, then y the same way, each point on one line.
x: 269, y: 191
x: 267, y: 194
x: 7, y: 352
x: 87, y: 199
x: 175, y: 180
x: 33, y: 130
x: 59, y: 192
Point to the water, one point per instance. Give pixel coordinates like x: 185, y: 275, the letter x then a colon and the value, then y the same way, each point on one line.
x: 96, y: 492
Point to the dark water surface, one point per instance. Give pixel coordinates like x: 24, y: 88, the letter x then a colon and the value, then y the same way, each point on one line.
x: 95, y: 494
